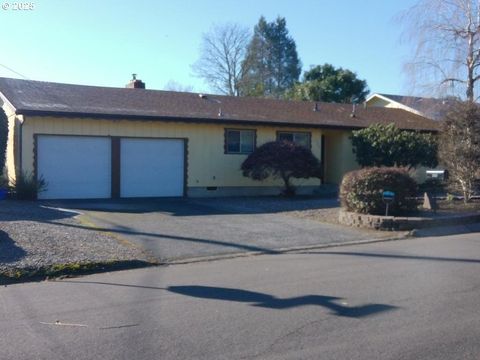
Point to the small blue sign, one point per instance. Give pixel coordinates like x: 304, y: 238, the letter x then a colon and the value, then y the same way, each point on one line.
x: 388, y: 195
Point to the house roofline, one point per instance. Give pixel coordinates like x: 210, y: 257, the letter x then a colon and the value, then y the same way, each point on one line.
x: 386, y: 98
x: 5, y: 100
x: 192, y: 120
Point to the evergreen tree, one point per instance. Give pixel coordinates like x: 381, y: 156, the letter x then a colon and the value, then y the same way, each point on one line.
x: 330, y: 84
x: 271, y: 66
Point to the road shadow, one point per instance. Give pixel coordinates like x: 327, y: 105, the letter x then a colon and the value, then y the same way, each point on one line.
x: 9, y: 251
x: 464, y: 226
x: 393, y: 256
x: 14, y: 210
x: 271, y: 302
x: 123, y: 230
x: 258, y: 299
x: 199, y: 206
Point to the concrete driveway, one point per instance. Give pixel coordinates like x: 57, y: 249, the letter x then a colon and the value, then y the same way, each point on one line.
x: 175, y: 229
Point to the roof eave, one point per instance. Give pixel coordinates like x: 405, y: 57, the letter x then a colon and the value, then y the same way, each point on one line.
x: 68, y: 114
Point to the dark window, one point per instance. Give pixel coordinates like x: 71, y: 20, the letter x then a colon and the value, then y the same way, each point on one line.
x: 239, y: 141
x: 300, y: 138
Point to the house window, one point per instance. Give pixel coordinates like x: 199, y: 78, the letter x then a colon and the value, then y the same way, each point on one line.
x: 239, y: 141
x: 300, y: 138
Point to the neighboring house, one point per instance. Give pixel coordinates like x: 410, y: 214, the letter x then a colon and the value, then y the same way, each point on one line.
x: 431, y: 108
x: 100, y: 142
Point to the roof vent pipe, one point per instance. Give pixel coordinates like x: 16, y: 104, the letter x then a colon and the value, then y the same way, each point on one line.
x: 315, y: 107
x: 353, y: 110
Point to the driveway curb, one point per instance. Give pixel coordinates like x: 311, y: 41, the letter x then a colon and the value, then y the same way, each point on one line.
x: 279, y: 251
x: 410, y: 235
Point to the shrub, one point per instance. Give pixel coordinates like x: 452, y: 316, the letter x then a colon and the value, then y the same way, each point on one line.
x: 3, y: 182
x: 283, y: 160
x: 27, y: 187
x: 386, y: 145
x: 361, y: 191
x: 3, y: 138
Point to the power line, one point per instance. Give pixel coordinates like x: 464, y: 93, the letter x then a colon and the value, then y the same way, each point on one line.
x: 15, y: 72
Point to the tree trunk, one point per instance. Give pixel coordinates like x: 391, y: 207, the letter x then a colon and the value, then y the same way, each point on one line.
x: 289, y: 189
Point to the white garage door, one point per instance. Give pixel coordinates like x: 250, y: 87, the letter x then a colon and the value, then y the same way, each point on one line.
x: 74, y: 167
x: 151, y: 167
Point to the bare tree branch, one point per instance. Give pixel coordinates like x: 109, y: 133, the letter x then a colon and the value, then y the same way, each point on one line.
x: 221, y: 54
x: 446, y: 39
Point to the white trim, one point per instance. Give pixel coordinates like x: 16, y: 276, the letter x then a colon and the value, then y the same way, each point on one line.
x: 6, y: 101
x: 400, y: 105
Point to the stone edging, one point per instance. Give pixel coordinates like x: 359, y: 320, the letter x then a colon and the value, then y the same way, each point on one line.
x: 378, y: 222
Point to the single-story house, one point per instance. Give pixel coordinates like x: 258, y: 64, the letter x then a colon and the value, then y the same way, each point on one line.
x: 431, y: 108
x: 102, y: 142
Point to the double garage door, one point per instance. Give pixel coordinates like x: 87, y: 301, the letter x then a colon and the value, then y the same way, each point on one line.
x: 80, y: 167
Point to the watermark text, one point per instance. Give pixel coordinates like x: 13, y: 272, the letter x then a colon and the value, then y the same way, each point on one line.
x: 17, y: 6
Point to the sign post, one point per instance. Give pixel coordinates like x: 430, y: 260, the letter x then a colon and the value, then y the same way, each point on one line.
x: 388, y: 197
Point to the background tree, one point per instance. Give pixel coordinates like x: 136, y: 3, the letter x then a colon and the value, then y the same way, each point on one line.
x: 282, y: 160
x: 386, y: 145
x: 446, y: 36
x: 173, y: 85
x: 459, y: 147
x: 330, y: 84
x: 271, y: 65
x: 3, y: 139
x: 222, y: 53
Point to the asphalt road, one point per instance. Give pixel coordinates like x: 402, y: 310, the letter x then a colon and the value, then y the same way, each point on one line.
x: 410, y: 299
x: 173, y: 229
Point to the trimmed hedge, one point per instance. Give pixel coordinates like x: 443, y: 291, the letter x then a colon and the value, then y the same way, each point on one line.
x: 361, y: 191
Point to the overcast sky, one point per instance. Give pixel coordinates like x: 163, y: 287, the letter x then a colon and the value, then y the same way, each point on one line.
x: 103, y: 42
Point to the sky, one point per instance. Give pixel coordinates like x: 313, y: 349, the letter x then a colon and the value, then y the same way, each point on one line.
x: 102, y: 42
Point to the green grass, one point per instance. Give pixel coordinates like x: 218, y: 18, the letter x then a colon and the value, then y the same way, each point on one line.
x: 67, y: 269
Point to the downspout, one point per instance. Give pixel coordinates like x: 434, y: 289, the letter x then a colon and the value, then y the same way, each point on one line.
x: 21, y: 120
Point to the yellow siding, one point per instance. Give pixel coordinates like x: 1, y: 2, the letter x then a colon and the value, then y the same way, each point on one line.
x: 339, y: 157
x: 207, y: 163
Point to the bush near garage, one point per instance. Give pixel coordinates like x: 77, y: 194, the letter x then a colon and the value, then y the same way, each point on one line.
x: 362, y: 190
x: 27, y: 187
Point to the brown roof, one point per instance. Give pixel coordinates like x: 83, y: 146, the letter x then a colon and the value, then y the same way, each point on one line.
x: 46, y: 98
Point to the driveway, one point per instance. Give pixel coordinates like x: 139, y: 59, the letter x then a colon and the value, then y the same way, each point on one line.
x: 175, y: 229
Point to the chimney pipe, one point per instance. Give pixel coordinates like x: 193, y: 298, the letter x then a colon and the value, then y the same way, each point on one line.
x: 135, y: 83
x: 353, y: 111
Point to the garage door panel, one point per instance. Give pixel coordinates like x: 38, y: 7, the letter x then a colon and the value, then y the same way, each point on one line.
x: 151, y: 167
x: 74, y: 166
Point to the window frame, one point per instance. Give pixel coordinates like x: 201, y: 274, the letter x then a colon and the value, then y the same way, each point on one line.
x: 225, y: 145
x: 308, y: 133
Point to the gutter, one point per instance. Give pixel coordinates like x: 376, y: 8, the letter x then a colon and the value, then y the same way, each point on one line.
x: 21, y: 120
x: 196, y: 120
